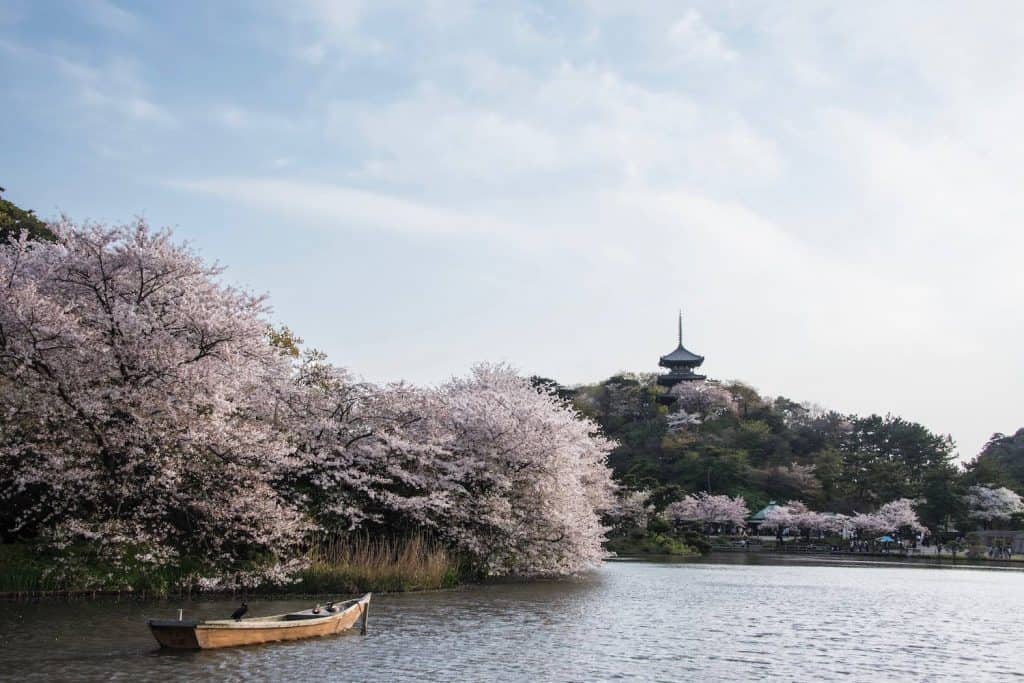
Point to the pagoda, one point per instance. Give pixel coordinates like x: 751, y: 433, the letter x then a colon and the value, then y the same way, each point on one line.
x: 681, y: 364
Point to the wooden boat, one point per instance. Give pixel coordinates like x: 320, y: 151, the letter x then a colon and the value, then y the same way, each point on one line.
x: 318, y: 621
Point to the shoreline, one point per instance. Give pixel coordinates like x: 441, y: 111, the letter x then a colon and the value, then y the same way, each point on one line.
x: 135, y: 596
x: 777, y: 557
x: 769, y: 557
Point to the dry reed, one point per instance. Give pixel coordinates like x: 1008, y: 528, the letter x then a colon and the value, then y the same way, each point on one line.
x: 358, y: 563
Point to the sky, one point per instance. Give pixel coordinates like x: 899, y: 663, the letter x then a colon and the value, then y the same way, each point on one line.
x: 831, y: 192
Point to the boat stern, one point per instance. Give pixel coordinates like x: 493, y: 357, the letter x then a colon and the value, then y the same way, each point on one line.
x: 176, y: 635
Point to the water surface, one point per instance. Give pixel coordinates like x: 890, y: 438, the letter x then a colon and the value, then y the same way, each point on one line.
x: 723, y: 619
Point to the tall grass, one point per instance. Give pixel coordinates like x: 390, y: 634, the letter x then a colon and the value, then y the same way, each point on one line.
x: 351, y: 564
x: 357, y: 564
x: 25, y: 572
x: 22, y: 574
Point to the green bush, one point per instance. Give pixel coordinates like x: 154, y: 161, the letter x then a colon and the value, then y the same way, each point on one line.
x: 657, y: 525
x: 696, y: 540
x: 650, y: 544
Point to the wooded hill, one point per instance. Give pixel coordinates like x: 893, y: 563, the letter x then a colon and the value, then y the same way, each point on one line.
x: 726, y: 438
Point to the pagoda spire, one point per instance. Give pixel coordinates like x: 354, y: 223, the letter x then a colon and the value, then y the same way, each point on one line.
x: 680, y: 327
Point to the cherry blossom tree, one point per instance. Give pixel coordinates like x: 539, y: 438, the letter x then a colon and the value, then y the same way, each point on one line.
x: 706, y: 508
x: 502, y: 470
x: 993, y: 505
x: 901, y: 516
x: 358, y: 460
x: 895, y: 517
x: 134, y: 388
x: 796, y: 515
x: 532, y: 475
x: 150, y: 414
x: 833, y: 523
x: 866, y: 525
x: 680, y: 420
x: 898, y: 516
x: 632, y: 510
x: 707, y: 400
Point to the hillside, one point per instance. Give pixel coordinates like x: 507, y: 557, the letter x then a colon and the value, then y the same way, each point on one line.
x: 726, y: 438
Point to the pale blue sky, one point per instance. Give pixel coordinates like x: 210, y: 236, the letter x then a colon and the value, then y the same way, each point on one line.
x: 831, y: 191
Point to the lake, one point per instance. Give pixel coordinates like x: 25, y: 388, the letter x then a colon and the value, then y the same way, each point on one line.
x: 719, y: 618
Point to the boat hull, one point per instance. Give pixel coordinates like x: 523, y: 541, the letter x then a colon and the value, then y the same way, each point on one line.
x: 174, y: 637
x: 180, y: 635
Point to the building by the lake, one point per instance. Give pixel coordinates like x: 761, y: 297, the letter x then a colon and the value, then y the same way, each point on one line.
x: 681, y: 364
x: 755, y: 520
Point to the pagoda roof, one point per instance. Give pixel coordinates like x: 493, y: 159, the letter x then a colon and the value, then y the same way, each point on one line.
x: 682, y: 355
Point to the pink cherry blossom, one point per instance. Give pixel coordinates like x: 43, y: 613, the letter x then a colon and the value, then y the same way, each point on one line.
x: 993, y: 504
x: 133, y: 394
x: 708, y: 509
x: 146, y: 416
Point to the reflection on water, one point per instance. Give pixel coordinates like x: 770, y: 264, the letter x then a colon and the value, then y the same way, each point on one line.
x: 728, y: 618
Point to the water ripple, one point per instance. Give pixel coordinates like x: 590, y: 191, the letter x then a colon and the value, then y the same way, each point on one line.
x: 630, y: 621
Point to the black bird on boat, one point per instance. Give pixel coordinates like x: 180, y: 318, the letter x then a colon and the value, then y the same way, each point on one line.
x: 240, y: 612
x: 331, y: 608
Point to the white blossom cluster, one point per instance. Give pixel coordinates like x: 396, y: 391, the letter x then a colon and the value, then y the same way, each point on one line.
x: 632, y: 509
x: 993, y: 504
x: 708, y: 509
x: 896, y: 516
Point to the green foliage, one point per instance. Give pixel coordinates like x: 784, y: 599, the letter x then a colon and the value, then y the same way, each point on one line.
x: 28, y: 570
x: 23, y: 571
x: 828, y: 468
x: 661, y: 496
x: 888, y: 458
x: 1001, y: 463
x: 696, y: 540
x: 14, y: 219
x: 657, y: 525
x: 942, y: 497
x: 650, y: 544
x: 283, y: 338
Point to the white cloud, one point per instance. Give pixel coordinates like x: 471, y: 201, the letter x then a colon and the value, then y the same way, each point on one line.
x: 567, y: 127
x: 244, y: 120
x: 695, y: 39
x: 231, y: 117
x: 108, y: 15
x: 348, y: 207
x: 328, y: 29
x: 114, y: 87
x: 727, y: 247
x: 111, y: 87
